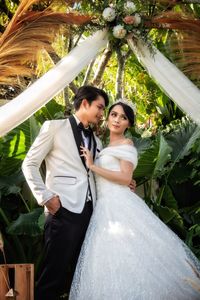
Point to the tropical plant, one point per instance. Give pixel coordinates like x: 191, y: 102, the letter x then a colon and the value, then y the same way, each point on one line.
x: 21, y: 220
x: 171, y: 184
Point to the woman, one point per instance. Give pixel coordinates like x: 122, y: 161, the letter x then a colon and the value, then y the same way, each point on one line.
x: 128, y: 253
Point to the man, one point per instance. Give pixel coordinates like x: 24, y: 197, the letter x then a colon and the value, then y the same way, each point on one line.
x: 68, y: 193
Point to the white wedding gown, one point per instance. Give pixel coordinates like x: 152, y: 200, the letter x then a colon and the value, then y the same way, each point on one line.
x: 128, y: 253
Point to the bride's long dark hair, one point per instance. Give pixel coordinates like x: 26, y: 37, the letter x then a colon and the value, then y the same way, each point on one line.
x: 127, y: 110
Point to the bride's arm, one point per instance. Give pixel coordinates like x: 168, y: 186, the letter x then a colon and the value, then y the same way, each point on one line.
x: 124, y: 176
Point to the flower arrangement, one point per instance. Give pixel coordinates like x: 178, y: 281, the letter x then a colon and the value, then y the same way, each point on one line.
x: 122, y: 19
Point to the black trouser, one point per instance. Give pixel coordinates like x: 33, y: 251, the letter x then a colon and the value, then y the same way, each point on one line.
x: 64, y: 235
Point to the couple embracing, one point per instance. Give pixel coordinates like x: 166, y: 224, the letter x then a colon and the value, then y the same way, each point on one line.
x: 117, y: 247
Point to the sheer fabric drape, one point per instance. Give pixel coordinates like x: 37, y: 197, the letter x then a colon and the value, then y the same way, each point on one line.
x: 44, y: 89
x: 173, y: 82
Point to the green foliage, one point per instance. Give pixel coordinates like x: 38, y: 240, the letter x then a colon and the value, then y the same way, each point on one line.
x: 21, y: 220
x: 152, y: 161
x: 182, y: 138
x: 15, y: 145
x: 28, y: 224
x: 169, y: 161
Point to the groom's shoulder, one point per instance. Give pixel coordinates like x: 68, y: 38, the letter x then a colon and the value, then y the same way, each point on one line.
x: 54, y: 125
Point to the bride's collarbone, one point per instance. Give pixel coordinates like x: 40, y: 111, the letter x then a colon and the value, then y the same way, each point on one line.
x: 124, y: 141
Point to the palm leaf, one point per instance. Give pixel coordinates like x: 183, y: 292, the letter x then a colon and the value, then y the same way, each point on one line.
x: 188, y: 58
x: 27, y: 33
x: 177, y: 21
x: 172, y: 3
x: 182, y: 139
x: 184, y: 43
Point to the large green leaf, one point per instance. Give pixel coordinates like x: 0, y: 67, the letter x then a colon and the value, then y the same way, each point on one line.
x: 170, y: 216
x: 50, y: 111
x: 165, y: 213
x: 10, y: 184
x: 15, y: 145
x: 27, y: 224
x: 152, y: 161
x: 142, y: 144
x: 170, y: 200
x: 182, y: 138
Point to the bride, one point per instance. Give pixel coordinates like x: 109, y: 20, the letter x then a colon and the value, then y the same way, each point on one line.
x: 128, y: 253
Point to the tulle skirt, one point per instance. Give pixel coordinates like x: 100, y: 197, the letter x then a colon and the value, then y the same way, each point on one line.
x: 129, y: 254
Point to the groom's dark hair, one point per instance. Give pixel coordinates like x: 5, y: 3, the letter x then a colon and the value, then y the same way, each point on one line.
x: 90, y: 93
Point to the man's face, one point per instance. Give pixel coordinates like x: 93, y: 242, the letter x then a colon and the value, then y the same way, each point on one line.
x: 95, y: 111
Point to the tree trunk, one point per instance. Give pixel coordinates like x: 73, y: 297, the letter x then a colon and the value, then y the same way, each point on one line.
x: 119, y: 87
x: 88, y: 72
x: 102, y: 65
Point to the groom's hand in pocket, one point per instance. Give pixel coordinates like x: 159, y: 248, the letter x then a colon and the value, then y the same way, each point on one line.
x: 53, y: 205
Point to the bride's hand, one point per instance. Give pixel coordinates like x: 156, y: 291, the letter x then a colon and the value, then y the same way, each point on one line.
x: 88, y: 157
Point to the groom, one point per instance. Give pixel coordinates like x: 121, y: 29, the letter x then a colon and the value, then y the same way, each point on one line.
x: 68, y: 193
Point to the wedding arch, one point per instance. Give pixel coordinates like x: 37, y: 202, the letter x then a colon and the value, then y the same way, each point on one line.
x: 173, y: 82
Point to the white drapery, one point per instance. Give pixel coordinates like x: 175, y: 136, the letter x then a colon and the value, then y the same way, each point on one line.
x: 44, y: 89
x: 174, y: 83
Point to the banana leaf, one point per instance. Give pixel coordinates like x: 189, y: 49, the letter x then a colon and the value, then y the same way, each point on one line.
x: 15, y: 145
x: 30, y: 224
x: 153, y: 160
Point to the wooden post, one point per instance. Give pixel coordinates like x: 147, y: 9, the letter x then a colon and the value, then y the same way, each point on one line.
x: 23, y: 281
x: 3, y: 281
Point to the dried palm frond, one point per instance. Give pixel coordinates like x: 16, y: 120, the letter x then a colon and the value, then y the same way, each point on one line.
x: 185, y: 51
x: 184, y: 42
x: 174, y: 2
x: 27, y: 33
x: 177, y: 21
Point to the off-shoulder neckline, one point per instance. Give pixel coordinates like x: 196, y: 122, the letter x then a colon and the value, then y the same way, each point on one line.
x: 119, y: 145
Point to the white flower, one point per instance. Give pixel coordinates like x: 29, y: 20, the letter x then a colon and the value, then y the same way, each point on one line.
x: 137, y: 19
x: 129, y: 7
x: 109, y: 14
x: 119, y: 32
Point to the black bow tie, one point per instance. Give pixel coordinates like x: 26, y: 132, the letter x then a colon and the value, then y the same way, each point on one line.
x: 86, y: 131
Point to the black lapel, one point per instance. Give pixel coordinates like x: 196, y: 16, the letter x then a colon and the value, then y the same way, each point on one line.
x: 77, y: 137
x: 94, y: 146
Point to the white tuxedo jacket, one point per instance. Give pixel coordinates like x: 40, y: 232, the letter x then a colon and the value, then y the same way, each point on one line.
x: 58, y: 143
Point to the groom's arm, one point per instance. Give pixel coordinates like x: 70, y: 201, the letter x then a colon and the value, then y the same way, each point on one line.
x: 32, y: 162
